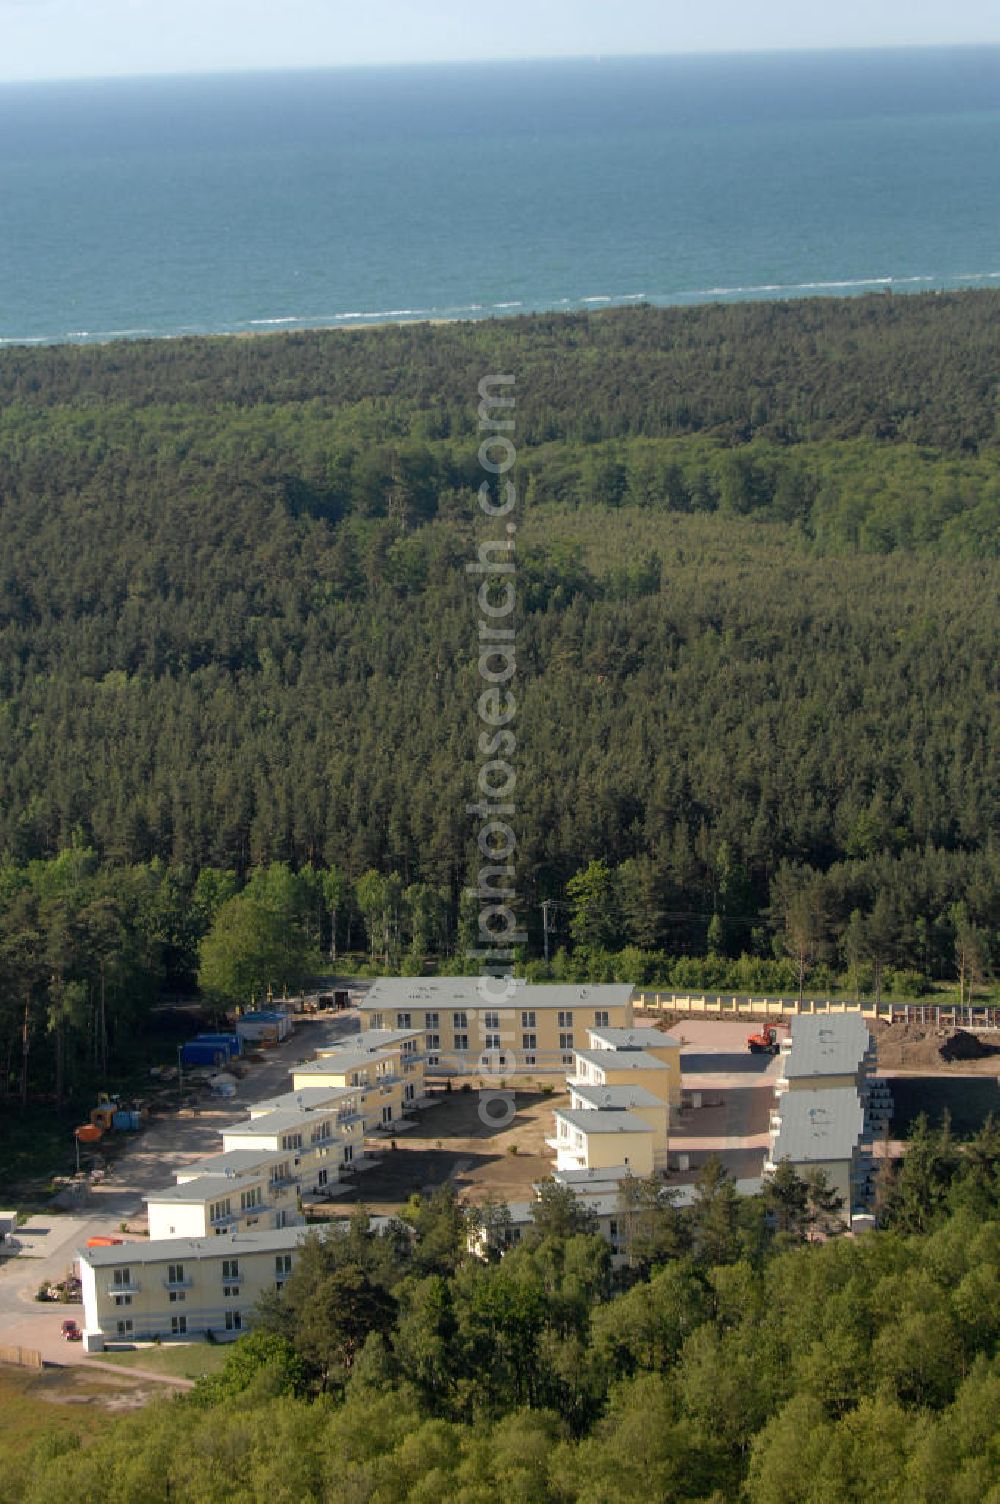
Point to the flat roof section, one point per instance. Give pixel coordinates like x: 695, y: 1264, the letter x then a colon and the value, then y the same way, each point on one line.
x: 819, y: 1125
x: 829, y: 1044
x: 643, y: 1038
x: 617, y: 1098
x: 464, y: 993
x: 622, y: 1060
x: 592, y: 1120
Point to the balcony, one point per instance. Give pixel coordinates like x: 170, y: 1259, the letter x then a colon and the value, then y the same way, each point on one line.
x: 132, y: 1288
x: 179, y: 1284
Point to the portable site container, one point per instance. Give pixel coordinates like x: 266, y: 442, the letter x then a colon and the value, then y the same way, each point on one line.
x: 234, y: 1041
x: 127, y: 1120
x: 204, y: 1052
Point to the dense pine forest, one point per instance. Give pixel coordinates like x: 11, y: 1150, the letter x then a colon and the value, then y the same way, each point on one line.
x: 758, y: 558
x: 731, y: 1359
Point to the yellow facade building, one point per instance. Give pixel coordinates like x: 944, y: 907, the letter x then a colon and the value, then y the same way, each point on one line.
x: 506, y: 1027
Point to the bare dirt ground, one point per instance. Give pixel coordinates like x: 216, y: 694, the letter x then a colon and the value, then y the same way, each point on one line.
x: 926, y: 1050
x: 451, y: 1141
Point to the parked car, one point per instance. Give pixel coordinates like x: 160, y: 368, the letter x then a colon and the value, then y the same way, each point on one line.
x: 71, y: 1331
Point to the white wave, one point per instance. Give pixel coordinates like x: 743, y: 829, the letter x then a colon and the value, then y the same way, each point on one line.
x: 515, y: 304
x: 292, y: 318
x: 602, y: 299
x: 976, y: 277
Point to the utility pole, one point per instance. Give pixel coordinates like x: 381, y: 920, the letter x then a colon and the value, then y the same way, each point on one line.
x: 545, y: 928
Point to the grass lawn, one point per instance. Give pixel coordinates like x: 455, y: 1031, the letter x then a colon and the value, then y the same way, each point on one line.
x: 184, y: 1360
x: 57, y: 1400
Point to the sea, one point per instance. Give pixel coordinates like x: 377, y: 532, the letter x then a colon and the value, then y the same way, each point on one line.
x: 257, y: 202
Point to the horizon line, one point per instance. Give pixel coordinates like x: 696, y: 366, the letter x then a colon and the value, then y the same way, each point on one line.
x: 415, y: 64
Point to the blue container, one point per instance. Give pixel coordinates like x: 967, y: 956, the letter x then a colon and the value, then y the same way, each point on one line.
x: 204, y: 1052
x: 234, y: 1041
x: 125, y: 1122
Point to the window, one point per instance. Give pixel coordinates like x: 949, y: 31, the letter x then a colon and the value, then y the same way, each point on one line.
x: 565, y: 1020
x: 529, y: 1041
x: 283, y: 1263
x: 348, y: 1153
x: 461, y: 1042
x: 434, y: 1041
x: 176, y: 1295
x: 280, y: 1172
x: 492, y: 1041
x: 528, y: 1018
x: 529, y: 1059
x: 178, y: 1325
x: 322, y: 1178
x: 122, y: 1277
x: 432, y: 1020
x: 409, y: 1092
x: 565, y: 1041
x: 291, y: 1141
x: 230, y: 1268
x: 230, y: 1291
x: 123, y: 1300
x: 601, y: 1018
x: 234, y: 1321
x: 220, y: 1209
x: 460, y: 1020
x: 386, y: 1116
x: 321, y: 1132
x: 125, y: 1327
x: 491, y: 1019
x: 404, y: 1020
x: 175, y: 1274
x: 250, y: 1199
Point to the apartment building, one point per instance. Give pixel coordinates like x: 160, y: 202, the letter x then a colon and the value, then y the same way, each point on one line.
x: 375, y: 1081
x: 404, y: 1047
x: 317, y: 1144
x: 826, y: 1130
x: 181, y: 1286
x: 596, y: 1139
x: 256, y: 1191
x: 647, y: 1041
x: 634, y: 1099
x: 529, y: 1028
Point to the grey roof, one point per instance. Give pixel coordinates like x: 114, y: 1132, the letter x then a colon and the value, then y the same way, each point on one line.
x: 306, y: 1099
x: 180, y: 1250
x: 818, y: 1125
x: 232, y: 1163
x: 593, y: 1120
x: 587, y: 1180
x: 617, y: 1097
x: 335, y: 1065
x: 622, y: 1060
x: 463, y: 993
x: 369, y: 1040
x: 828, y: 1044
x: 275, y: 1122
x: 201, y: 1188
x: 643, y: 1038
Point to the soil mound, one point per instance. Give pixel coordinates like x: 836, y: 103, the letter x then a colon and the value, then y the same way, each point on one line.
x: 919, y: 1047
x: 965, y: 1046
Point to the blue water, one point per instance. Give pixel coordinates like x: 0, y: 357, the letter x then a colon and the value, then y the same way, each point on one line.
x: 256, y: 202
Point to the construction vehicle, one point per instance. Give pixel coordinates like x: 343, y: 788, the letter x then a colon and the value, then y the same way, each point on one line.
x: 765, y: 1042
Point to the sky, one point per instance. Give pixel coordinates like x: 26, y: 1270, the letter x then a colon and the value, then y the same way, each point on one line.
x: 101, y: 38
